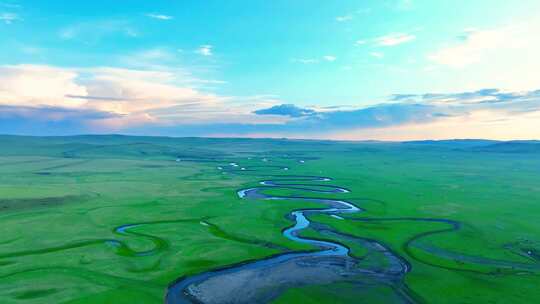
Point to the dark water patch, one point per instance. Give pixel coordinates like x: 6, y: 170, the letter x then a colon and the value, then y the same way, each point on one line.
x: 6, y: 263
x: 66, y: 165
x: 17, y: 204
x: 153, y: 166
x: 364, y: 150
x: 24, y: 162
x: 532, y: 253
x: 43, y: 173
x: 198, y: 160
x: 75, y: 174
x: 526, y: 249
x: 35, y: 294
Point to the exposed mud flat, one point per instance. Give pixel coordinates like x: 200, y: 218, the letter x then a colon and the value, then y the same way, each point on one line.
x: 263, y: 281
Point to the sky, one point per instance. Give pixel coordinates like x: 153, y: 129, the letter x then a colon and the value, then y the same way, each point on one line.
x: 343, y: 70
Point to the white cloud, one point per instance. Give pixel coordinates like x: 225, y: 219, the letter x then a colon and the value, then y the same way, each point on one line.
x: 364, y: 11
x: 429, y: 68
x: 9, y: 18
x: 159, y: 16
x: 10, y: 5
x: 404, y: 5
x: 31, y: 50
x: 30, y: 85
x: 505, y: 57
x: 377, y: 55
x: 344, y: 18
x: 360, y: 42
x: 169, y: 60
x: 68, y: 33
x: 394, y: 39
x: 132, y: 91
x: 474, y: 47
x: 121, y: 91
x: 205, y: 50
x: 306, y: 60
x: 149, y: 56
x: 477, y: 44
x: 93, y: 31
x: 329, y: 58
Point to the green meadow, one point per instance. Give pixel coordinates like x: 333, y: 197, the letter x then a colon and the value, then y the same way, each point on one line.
x: 116, y: 219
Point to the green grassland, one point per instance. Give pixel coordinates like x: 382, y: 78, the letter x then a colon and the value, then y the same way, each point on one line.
x: 64, y: 201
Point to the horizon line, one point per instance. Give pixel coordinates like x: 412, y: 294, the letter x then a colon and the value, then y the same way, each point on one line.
x: 272, y: 138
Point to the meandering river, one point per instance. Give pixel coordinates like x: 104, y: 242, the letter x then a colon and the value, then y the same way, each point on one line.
x: 263, y: 280
x: 330, y: 261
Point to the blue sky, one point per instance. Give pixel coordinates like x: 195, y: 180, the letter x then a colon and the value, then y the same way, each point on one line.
x: 302, y: 69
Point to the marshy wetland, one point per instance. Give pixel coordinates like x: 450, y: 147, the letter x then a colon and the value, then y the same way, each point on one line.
x: 115, y: 219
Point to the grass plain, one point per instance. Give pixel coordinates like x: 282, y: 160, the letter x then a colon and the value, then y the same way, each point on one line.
x: 116, y: 219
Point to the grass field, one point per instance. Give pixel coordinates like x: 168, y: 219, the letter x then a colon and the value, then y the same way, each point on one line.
x: 115, y: 219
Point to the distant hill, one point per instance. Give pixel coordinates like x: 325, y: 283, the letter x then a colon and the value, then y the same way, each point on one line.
x: 478, y: 145
x: 146, y: 146
x: 451, y: 143
x: 518, y: 146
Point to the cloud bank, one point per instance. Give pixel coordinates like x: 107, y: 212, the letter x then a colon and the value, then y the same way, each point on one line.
x: 47, y: 100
